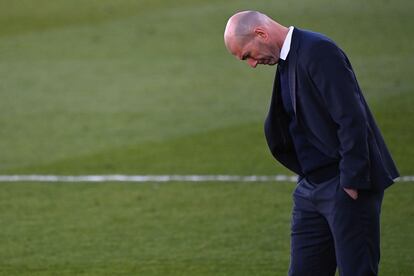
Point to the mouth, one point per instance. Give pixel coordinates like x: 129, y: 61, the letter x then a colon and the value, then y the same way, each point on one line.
x: 267, y: 62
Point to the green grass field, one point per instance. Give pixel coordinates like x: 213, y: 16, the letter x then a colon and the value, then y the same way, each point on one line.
x: 147, y: 87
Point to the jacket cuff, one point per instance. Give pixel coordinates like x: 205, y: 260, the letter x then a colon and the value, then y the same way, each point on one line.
x: 354, y: 183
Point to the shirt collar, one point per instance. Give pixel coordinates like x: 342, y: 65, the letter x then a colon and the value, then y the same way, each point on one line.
x: 286, y: 44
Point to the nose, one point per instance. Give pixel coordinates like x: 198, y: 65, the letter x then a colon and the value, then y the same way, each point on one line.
x: 252, y: 62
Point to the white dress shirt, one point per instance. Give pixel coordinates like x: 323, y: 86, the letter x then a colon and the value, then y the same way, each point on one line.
x: 286, y: 44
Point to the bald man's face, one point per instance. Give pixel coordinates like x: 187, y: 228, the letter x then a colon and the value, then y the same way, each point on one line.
x: 257, y: 50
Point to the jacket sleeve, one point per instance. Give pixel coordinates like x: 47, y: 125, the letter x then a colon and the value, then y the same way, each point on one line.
x: 334, y: 79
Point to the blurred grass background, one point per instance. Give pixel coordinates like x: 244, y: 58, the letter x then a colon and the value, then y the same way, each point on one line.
x: 147, y: 87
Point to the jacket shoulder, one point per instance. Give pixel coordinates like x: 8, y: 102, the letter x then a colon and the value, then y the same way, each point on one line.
x: 309, y: 40
x: 313, y: 46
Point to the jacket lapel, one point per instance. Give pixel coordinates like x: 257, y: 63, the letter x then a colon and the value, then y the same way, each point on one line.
x: 292, y: 67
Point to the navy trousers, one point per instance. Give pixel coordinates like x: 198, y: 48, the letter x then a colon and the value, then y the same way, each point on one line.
x: 330, y: 229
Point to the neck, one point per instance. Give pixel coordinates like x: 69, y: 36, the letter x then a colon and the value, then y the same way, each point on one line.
x: 278, y: 33
x: 282, y: 33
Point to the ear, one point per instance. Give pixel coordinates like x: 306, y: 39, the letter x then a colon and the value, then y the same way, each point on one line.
x: 259, y: 31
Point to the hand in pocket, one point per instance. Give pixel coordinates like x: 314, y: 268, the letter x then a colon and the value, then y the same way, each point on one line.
x: 352, y: 193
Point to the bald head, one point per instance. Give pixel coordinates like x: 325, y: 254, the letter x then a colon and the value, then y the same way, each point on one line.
x: 240, y: 27
x: 250, y: 32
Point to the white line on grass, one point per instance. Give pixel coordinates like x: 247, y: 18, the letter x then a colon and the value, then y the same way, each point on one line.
x: 160, y: 178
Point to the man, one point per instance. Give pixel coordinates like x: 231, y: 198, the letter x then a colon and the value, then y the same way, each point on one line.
x: 320, y: 127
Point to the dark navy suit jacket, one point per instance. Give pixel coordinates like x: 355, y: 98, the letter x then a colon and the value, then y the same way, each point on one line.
x: 330, y: 107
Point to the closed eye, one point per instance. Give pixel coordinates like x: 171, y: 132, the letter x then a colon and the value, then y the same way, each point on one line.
x: 245, y: 56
